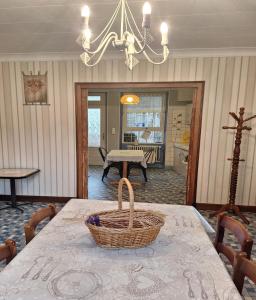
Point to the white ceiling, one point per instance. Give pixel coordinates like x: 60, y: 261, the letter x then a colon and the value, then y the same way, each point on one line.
x: 43, y: 26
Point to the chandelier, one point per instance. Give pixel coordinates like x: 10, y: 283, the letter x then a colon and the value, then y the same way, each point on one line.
x: 131, y: 40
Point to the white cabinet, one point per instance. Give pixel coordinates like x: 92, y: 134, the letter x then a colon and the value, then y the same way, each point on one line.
x: 180, y: 158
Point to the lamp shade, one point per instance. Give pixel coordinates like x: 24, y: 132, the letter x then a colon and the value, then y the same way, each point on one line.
x: 130, y: 99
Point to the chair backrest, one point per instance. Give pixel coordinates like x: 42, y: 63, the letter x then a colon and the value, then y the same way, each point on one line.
x: 37, y: 217
x: 239, y: 231
x: 243, y: 267
x: 150, y: 156
x: 103, y: 153
x: 8, y: 250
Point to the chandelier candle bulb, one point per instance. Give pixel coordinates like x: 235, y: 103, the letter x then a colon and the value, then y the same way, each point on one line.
x: 85, y: 13
x: 146, y: 15
x: 147, y: 8
x: 164, y: 32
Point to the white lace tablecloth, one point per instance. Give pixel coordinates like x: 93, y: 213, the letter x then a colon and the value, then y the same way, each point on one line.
x: 125, y: 155
x: 63, y: 262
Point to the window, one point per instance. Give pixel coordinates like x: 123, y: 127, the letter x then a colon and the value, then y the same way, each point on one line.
x: 94, y: 127
x: 93, y: 98
x: 144, y: 122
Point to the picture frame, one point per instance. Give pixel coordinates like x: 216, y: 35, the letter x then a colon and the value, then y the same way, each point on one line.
x: 35, y: 89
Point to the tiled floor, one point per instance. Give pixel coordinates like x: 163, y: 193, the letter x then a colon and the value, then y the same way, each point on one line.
x: 12, y: 222
x: 161, y: 188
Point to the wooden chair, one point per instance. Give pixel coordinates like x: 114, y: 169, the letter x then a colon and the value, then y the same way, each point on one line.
x: 117, y: 165
x: 243, y: 267
x: 8, y: 251
x: 134, y: 165
x: 103, y: 153
x: 37, y: 217
x: 239, y: 231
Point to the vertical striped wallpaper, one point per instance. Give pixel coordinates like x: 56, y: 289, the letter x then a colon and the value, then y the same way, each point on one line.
x: 44, y: 136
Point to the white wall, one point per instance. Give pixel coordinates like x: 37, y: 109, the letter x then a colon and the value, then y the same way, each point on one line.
x: 44, y: 136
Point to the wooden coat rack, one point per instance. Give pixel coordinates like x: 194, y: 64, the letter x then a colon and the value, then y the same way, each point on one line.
x: 231, y: 206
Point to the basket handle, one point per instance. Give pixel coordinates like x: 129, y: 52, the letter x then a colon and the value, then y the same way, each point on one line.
x: 131, y: 198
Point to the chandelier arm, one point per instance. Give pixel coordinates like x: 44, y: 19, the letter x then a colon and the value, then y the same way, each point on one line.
x: 154, y: 62
x: 126, y: 53
x: 142, y: 47
x: 109, y: 24
x: 111, y: 35
x: 153, y: 51
x: 132, y: 31
x: 125, y: 20
x: 101, y: 54
x: 137, y: 28
x: 133, y: 19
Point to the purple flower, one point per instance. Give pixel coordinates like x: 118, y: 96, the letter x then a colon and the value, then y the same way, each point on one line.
x: 94, y: 220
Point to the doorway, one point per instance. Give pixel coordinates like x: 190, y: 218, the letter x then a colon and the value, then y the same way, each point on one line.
x: 82, y: 92
x: 97, y: 126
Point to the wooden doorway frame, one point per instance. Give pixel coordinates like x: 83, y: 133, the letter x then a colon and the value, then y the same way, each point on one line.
x: 81, y: 93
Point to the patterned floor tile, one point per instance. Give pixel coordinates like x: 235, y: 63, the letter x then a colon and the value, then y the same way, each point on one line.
x: 163, y: 186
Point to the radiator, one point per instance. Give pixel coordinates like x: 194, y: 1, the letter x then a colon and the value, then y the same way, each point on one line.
x: 156, y: 152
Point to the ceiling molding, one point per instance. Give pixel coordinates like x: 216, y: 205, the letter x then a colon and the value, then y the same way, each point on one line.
x: 178, y: 53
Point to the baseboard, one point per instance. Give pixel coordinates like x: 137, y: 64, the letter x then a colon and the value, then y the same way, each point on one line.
x: 28, y: 198
x: 215, y: 207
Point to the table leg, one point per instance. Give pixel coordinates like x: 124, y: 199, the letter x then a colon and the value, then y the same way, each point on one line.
x: 125, y: 168
x: 13, y: 195
x: 125, y: 165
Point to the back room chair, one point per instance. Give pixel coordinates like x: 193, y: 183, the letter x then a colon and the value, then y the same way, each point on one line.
x: 117, y: 165
x: 137, y: 165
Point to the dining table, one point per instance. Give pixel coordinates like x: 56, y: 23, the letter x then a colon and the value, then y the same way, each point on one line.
x: 125, y: 156
x: 64, y: 262
x: 12, y: 174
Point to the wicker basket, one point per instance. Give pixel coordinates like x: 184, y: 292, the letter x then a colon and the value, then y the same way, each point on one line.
x: 125, y: 228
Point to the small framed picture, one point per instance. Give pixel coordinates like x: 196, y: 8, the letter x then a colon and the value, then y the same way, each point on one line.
x: 35, y: 89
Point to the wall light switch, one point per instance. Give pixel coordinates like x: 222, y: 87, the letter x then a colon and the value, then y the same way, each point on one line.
x: 113, y: 131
